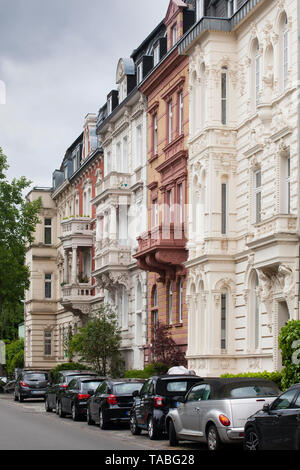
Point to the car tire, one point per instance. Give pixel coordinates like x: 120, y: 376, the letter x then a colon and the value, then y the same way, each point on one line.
x: 56, y: 407
x: 153, y: 432
x: 213, y: 438
x: 173, y: 440
x: 135, y: 430
x: 74, y: 413
x: 103, y: 423
x: 16, y: 397
x: 47, y: 406
x: 61, y: 413
x: 251, y: 440
x: 21, y: 399
x: 89, y: 420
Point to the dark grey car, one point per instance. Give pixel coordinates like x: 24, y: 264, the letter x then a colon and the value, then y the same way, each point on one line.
x: 31, y: 384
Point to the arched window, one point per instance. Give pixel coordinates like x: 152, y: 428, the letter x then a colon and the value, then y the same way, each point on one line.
x: 170, y: 303
x: 255, y: 310
x: 257, y: 67
x: 224, y: 92
x: 139, y: 297
x: 285, y: 50
x: 180, y: 301
x: 224, y: 301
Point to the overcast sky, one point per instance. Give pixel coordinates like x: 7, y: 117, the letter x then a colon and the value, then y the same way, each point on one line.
x: 58, y: 60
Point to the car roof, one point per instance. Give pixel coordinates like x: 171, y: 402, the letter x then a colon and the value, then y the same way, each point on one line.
x: 178, y: 377
x: 296, y: 386
x: 76, y: 372
x: 90, y: 378
x: 124, y: 381
x: 35, y: 372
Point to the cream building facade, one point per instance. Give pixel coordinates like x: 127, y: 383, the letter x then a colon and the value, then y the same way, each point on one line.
x: 243, y: 217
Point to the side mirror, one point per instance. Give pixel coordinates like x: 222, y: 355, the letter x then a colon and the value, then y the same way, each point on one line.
x: 136, y: 393
x: 266, y: 408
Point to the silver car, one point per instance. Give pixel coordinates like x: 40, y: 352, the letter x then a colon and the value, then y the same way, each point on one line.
x: 215, y: 410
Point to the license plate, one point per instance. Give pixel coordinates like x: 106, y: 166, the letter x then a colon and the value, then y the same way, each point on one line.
x: 38, y: 392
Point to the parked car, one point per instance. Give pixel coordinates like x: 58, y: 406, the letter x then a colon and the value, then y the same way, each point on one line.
x: 277, y: 426
x: 112, y: 401
x: 31, y: 384
x: 215, y: 411
x: 61, y: 382
x: 9, y: 387
x: 153, y: 402
x: 73, y: 399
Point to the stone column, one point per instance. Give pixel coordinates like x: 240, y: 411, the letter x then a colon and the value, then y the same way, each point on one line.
x: 74, y: 265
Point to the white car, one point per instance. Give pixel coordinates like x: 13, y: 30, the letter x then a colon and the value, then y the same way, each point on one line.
x: 215, y: 411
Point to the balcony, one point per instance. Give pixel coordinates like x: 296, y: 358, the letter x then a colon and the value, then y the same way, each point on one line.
x: 282, y: 225
x: 115, y: 183
x: 77, y: 231
x: 163, y: 250
x: 76, y: 298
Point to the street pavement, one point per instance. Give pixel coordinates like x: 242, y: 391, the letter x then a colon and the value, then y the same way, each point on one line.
x: 27, y: 426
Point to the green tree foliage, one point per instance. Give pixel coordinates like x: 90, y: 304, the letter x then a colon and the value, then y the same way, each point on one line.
x: 14, y: 356
x: 18, y: 219
x: 67, y: 366
x: 98, y: 343
x: 289, y: 343
x: 12, y: 316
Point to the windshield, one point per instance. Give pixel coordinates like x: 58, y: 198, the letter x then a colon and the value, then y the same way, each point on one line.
x: 36, y: 377
x: 122, y: 389
x: 86, y: 386
x: 251, y: 391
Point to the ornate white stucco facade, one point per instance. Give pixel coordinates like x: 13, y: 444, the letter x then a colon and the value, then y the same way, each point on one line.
x: 243, y: 217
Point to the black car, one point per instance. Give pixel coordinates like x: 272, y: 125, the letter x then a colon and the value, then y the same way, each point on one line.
x: 155, y: 399
x: 277, y: 426
x: 112, y: 401
x: 61, y: 382
x: 73, y: 399
x: 31, y: 384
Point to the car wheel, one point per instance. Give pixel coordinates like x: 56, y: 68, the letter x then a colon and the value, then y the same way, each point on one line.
x: 21, y: 399
x: 47, y: 406
x: 56, y: 407
x: 16, y: 397
x: 135, y: 430
x: 213, y: 439
x: 173, y: 440
x: 89, y: 420
x: 153, y: 432
x: 74, y: 413
x: 103, y: 424
x: 61, y: 413
x: 251, y: 440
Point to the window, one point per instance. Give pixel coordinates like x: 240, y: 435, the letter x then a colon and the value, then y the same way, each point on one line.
x: 198, y: 392
x: 224, y: 96
x: 125, y: 155
x: 284, y: 401
x: 48, y: 343
x: 199, y: 9
x: 122, y: 90
x: 139, y: 146
x: 181, y: 207
x: 223, y: 320
x: 174, y: 34
x: 156, y: 55
x: 107, y: 163
x: 170, y: 117
x: 224, y: 209
x: 139, y: 297
x: 109, y: 105
x: 155, y: 135
x: 122, y: 307
x: 285, y: 46
x: 155, y: 213
x: 139, y: 73
x: 288, y: 182
x: 257, y: 195
x: 180, y: 301
x: 170, y: 206
x: 48, y: 286
x: 170, y: 303
x: 180, y: 112
x: 257, y: 74
x: 118, y: 156
x: 48, y: 231
x: 256, y: 312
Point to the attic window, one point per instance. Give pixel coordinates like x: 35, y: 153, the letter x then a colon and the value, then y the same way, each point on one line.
x: 139, y: 73
x: 109, y: 105
x: 199, y: 9
x: 174, y: 34
x: 156, y: 53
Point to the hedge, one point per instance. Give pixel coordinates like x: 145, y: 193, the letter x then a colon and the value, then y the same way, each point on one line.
x: 273, y: 376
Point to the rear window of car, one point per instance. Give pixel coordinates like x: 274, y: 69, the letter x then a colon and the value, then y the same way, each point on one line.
x: 86, y: 386
x: 128, y: 388
x: 251, y: 391
x: 177, y: 387
x: 40, y: 377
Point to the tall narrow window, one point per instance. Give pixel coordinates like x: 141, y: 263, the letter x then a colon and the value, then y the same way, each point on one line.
x: 285, y: 53
x: 48, y: 286
x: 181, y: 208
x: 180, y: 301
x: 48, y: 343
x: 155, y: 135
x: 170, y: 204
x: 118, y: 157
x: 257, y: 195
x: 48, y: 231
x: 109, y: 105
x: 174, y: 34
x: 224, y: 209
x: 256, y: 312
x: 223, y: 320
x: 125, y: 155
x: 155, y: 213
x: 139, y: 146
x: 288, y: 183
x: 170, y: 303
x: 139, y: 73
x: 156, y: 55
x: 257, y: 74
x: 170, y: 114
x: 224, y: 96
x: 180, y: 112
x: 108, y: 163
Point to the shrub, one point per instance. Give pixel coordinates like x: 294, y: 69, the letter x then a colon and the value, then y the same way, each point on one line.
x: 273, y: 376
x: 289, y: 343
x: 156, y: 368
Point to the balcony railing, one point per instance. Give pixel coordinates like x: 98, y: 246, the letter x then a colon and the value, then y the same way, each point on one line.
x: 163, y: 235
x: 114, y: 181
x: 76, y: 226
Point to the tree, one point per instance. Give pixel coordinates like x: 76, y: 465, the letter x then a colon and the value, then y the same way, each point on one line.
x: 164, y: 349
x: 18, y: 220
x: 98, y: 343
x: 289, y: 343
x: 12, y: 316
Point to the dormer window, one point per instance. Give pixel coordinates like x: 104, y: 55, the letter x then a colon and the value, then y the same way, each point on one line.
x: 122, y: 92
x: 174, y: 33
x: 139, y: 73
x: 109, y: 105
x: 199, y: 9
x: 156, y: 53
